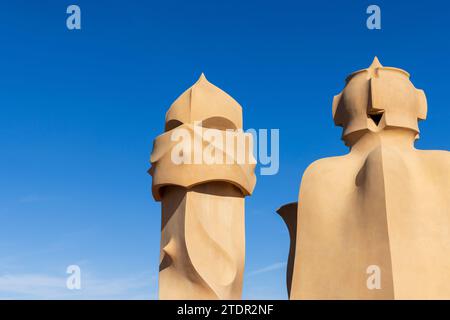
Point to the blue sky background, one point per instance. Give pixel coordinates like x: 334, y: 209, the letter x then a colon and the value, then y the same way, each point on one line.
x: 80, y: 110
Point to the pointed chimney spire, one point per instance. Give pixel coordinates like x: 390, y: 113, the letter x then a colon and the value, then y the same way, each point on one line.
x: 374, y: 67
x: 202, y: 101
x: 202, y: 78
x: 375, y: 63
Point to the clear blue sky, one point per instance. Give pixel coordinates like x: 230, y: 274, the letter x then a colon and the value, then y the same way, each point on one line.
x: 80, y: 110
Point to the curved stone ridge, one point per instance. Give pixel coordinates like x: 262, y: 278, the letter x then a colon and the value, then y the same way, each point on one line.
x: 205, y: 101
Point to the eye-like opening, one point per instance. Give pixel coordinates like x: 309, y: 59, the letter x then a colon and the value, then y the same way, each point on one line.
x: 376, y: 117
x: 172, y: 124
x: 219, y: 123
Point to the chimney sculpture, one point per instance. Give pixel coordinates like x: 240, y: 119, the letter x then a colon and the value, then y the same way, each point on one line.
x: 202, y: 168
x: 374, y: 224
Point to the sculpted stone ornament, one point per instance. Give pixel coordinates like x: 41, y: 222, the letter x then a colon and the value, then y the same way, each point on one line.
x: 202, y: 194
x: 289, y: 214
x: 384, y: 206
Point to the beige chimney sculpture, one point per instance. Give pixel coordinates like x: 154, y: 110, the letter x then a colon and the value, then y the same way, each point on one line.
x: 202, y: 168
x: 375, y: 223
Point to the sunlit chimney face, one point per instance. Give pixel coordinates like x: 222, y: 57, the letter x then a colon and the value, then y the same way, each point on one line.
x: 376, y: 98
x: 223, y: 111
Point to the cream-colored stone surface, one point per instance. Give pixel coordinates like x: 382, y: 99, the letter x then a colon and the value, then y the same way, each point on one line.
x: 202, y: 230
x: 385, y: 203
